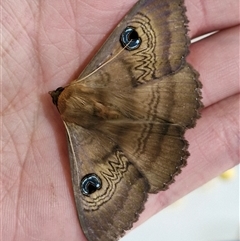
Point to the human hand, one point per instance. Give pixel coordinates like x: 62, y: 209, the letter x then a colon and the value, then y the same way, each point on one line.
x: 45, y: 45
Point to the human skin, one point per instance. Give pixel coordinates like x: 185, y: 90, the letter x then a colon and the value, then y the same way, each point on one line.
x: 46, y: 44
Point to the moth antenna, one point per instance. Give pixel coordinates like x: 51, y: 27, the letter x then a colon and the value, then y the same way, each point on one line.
x: 108, y: 61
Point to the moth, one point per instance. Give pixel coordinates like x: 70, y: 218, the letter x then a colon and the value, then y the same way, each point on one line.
x: 126, y: 115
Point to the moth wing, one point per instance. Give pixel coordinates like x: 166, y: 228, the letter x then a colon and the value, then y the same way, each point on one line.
x: 161, y: 26
x: 106, y: 213
x: 173, y: 99
x: 158, y: 150
x: 152, y: 135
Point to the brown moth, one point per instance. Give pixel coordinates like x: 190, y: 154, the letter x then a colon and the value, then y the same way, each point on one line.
x: 126, y: 116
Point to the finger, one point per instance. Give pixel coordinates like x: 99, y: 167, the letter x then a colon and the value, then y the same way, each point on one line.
x: 204, y: 16
x: 217, y: 60
x: 208, y: 16
x: 213, y: 148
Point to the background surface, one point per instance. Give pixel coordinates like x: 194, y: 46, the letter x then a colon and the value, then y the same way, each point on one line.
x: 210, y: 213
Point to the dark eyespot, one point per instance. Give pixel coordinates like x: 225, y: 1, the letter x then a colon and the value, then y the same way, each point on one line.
x: 130, y: 38
x: 90, y: 184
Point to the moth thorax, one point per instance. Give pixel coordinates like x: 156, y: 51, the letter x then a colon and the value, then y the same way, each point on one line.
x: 82, y: 106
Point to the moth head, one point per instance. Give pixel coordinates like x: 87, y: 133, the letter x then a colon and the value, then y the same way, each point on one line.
x: 55, y: 94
